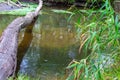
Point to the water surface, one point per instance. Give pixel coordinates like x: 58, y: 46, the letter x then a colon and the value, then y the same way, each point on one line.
x: 46, y: 46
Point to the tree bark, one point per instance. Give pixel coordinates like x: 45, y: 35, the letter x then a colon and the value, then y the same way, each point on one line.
x: 9, y: 43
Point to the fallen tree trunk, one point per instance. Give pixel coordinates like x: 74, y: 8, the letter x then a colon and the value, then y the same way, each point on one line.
x: 9, y: 43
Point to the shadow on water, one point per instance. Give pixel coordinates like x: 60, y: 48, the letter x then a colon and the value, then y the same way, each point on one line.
x: 24, y: 45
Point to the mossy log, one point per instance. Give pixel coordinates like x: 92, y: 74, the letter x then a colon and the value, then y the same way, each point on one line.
x: 9, y: 43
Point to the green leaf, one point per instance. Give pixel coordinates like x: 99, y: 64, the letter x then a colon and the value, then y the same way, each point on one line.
x: 71, y: 66
x: 79, y: 67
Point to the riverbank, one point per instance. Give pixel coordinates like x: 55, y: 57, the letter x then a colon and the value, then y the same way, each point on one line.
x: 14, y: 10
x: 6, y: 7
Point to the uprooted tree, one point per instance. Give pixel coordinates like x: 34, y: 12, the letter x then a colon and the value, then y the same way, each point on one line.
x: 9, y: 43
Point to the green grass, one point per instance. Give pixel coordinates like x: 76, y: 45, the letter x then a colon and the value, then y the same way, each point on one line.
x: 98, y: 33
x: 23, y: 77
x: 20, y: 77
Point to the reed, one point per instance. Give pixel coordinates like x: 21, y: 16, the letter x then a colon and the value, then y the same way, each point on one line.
x: 98, y: 32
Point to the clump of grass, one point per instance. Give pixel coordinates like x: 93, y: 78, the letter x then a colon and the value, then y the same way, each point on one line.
x: 98, y: 32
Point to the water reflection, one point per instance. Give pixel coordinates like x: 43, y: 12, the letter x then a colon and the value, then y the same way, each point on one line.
x: 52, y: 48
x: 24, y: 44
x: 4, y: 21
x: 48, y: 48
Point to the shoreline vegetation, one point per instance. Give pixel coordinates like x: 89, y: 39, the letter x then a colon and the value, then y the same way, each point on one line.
x: 26, y: 3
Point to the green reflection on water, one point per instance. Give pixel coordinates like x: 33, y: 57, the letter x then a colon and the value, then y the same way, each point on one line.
x: 4, y: 21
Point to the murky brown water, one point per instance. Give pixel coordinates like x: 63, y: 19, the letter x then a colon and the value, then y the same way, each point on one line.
x: 47, y: 46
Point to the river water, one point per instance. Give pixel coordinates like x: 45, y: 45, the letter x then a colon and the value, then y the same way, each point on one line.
x: 46, y: 46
